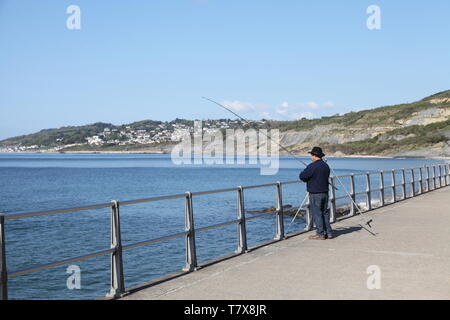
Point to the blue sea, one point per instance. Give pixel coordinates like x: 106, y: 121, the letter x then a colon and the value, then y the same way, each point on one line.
x: 38, y: 182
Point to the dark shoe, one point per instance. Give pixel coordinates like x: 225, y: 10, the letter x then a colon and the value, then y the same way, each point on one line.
x: 316, y: 237
x: 329, y: 236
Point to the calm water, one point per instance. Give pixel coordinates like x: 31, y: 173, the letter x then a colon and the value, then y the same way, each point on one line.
x: 30, y: 182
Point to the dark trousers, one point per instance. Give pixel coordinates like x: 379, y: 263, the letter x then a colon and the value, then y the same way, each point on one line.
x: 320, y: 214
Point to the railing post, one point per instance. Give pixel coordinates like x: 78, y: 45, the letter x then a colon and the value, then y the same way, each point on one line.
x: 394, y: 191
x: 191, y: 254
x: 242, y: 232
x: 443, y: 179
x: 420, y: 181
x: 444, y: 174
x: 3, y: 271
x: 382, y: 188
x: 438, y: 176
x: 434, y: 178
x: 439, y: 168
x: 117, y: 278
x: 403, y: 184
x: 428, y: 178
x: 332, y: 201
x: 353, y: 195
x: 413, y: 181
x: 436, y: 171
x: 447, y: 174
x: 368, y: 194
x: 308, y: 215
x: 447, y: 177
x: 280, y: 220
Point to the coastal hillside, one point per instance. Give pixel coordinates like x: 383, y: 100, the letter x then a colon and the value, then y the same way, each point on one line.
x: 418, y: 129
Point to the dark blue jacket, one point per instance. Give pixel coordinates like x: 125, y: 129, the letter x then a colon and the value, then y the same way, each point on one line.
x: 316, y: 176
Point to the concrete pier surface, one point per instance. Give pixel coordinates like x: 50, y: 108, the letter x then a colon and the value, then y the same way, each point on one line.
x: 411, y: 252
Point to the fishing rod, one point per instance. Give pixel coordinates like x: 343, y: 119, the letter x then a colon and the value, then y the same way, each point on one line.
x: 248, y: 122
x: 366, y: 222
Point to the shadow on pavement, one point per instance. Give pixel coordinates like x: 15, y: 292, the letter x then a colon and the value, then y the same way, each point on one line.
x: 341, y: 231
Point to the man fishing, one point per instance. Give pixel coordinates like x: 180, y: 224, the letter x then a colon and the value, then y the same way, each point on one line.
x: 316, y: 175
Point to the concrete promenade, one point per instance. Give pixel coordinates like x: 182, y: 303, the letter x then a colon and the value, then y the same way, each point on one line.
x: 411, y: 249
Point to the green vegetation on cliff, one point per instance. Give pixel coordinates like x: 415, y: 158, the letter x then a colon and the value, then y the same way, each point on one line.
x: 383, y: 116
x: 414, y: 137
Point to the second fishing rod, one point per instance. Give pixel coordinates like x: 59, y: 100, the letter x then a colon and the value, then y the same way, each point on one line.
x: 366, y: 222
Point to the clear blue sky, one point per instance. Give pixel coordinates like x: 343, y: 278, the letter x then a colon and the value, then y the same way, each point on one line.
x: 135, y: 60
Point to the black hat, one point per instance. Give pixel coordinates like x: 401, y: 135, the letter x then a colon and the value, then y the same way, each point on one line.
x: 317, y: 151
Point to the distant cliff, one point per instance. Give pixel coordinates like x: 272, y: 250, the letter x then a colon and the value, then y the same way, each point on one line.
x: 418, y: 129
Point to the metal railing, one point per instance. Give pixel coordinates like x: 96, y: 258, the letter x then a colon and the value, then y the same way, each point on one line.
x: 429, y: 178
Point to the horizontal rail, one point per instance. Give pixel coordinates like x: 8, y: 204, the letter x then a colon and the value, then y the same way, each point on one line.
x: 378, y: 172
x: 219, y: 225
x: 261, y: 215
x: 175, y: 196
x: 355, y: 175
x: 59, y: 263
x: 146, y: 242
x: 291, y: 182
x: 260, y: 186
x: 44, y: 213
x: 201, y: 193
